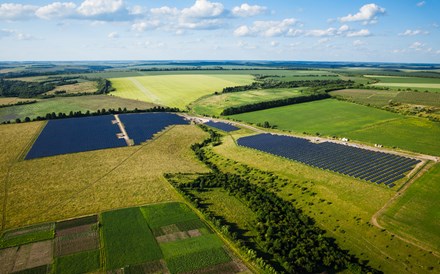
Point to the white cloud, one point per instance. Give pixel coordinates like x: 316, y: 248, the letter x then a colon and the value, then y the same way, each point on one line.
x: 203, y: 24
x: 274, y: 43
x: 146, y: 24
x: 398, y: 51
x: 165, y: 10
x: 321, y: 32
x: 358, y: 43
x: 15, y: 34
x: 437, y: 52
x: 417, y: 46
x: 246, y: 10
x: 323, y: 41
x: 362, y: 32
x: 11, y: 11
x: 56, y: 10
x: 367, y: 13
x: 137, y: 10
x: 421, y: 4
x: 267, y: 28
x: 409, y: 32
x: 98, y: 7
x: 203, y: 9
x: 113, y: 35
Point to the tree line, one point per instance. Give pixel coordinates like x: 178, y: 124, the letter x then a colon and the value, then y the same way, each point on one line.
x: 273, y: 103
x: 290, y: 237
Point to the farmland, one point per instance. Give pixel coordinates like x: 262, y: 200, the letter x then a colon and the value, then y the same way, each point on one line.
x: 414, y: 83
x: 331, y: 117
x: 124, y: 239
x: 215, y: 104
x: 67, y: 104
x: 415, y: 214
x: 82, y: 87
x: 174, y: 90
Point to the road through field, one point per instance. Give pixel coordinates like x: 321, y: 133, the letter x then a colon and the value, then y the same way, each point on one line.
x: 148, y: 93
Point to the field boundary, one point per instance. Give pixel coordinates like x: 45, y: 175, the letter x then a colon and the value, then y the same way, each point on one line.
x: 376, y: 217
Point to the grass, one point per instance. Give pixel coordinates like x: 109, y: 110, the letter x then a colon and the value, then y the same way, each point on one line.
x: 127, y: 238
x: 339, y: 204
x: 417, y: 83
x: 381, y: 98
x: 190, y: 245
x: 416, y: 214
x: 215, y: 104
x: 197, y: 260
x: 174, y: 90
x: 35, y: 234
x: 83, y: 262
x: 166, y: 214
x: 67, y: 104
x: 81, y: 87
x: 12, y: 100
x: 362, y: 123
x: 93, y: 181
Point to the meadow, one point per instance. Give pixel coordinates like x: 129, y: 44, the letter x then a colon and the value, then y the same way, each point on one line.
x: 414, y: 83
x: 341, y: 205
x: 82, y: 87
x: 416, y: 214
x: 174, y: 90
x: 342, y: 119
x: 215, y: 104
x: 92, y: 181
x: 67, y: 104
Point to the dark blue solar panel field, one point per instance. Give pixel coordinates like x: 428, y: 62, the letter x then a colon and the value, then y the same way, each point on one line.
x: 222, y: 126
x: 76, y: 135
x: 142, y: 126
x: 373, y: 166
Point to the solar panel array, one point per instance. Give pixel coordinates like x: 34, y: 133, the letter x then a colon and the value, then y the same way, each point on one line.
x: 142, y: 126
x: 222, y: 126
x: 374, y: 166
x: 76, y: 135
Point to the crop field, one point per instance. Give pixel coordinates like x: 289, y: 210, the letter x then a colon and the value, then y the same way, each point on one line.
x: 92, y: 181
x: 88, y: 87
x: 372, y: 166
x: 331, y: 117
x: 341, y: 205
x: 67, y: 104
x: 174, y: 90
x: 222, y: 126
x: 215, y: 104
x: 417, y: 213
x: 12, y: 100
x: 76, y: 135
x: 417, y: 83
x: 381, y: 98
x: 142, y: 126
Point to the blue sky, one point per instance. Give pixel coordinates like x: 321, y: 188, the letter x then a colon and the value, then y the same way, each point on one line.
x: 342, y: 30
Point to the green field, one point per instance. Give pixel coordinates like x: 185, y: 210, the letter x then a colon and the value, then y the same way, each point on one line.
x: 416, y: 214
x: 165, y: 214
x: 215, y: 104
x: 382, y: 98
x: 343, y: 119
x: 67, y: 104
x: 82, y: 262
x: 174, y: 90
x: 92, y: 181
x: 415, y: 83
x: 341, y: 205
x: 128, y: 238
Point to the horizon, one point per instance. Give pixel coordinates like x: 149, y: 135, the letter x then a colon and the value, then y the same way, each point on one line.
x: 382, y: 31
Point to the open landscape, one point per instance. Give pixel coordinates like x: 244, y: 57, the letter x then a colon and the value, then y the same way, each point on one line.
x: 208, y: 136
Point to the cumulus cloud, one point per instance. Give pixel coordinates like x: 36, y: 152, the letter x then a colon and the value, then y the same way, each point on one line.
x: 409, y: 32
x: 145, y: 25
x: 421, y: 4
x: 11, y: 11
x: 362, y: 32
x: 246, y: 10
x: 203, y: 9
x: 165, y: 10
x: 267, y: 28
x: 56, y: 10
x: 367, y: 13
x: 98, y: 7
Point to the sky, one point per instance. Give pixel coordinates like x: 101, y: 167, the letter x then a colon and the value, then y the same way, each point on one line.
x: 406, y: 31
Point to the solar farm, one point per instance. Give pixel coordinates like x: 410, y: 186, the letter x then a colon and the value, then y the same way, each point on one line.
x: 373, y: 166
x: 98, y: 132
x: 222, y: 126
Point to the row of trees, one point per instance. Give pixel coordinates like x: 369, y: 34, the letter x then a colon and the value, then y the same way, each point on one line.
x: 274, y: 103
x: 73, y: 114
x: 270, y: 83
x: 290, y: 237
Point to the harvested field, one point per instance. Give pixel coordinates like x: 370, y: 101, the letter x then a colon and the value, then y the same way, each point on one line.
x: 75, y: 243
x: 74, y: 230
x: 179, y: 235
x: 27, y: 256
